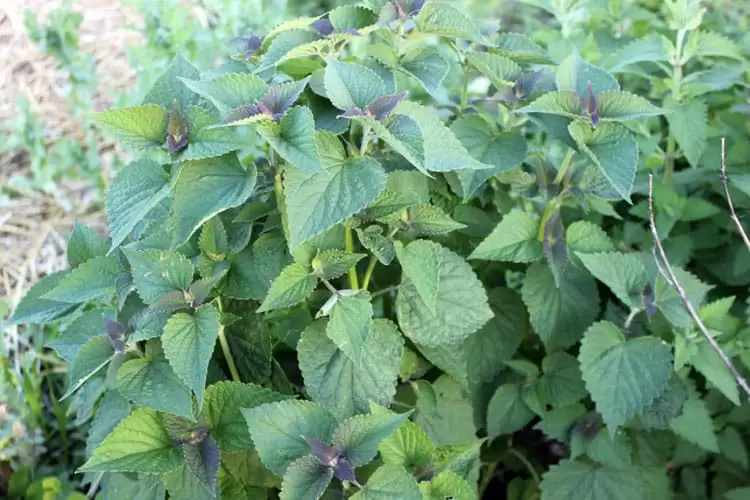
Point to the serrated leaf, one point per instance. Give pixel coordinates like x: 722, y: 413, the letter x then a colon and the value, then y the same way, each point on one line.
x: 203, y: 461
x: 252, y: 271
x: 351, y: 85
x: 84, y: 244
x: 590, y: 481
x: 560, y: 315
x: 514, y: 239
x: 709, y: 43
x: 112, y: 409
x: 277, y: 430
x: 667, y: 406
x: 562, y: 380
x: 248, y: 469
x: 389, y: 482
x: 332, y: 379
x: 447, y: 484
x: 688, y: 123
x: 507, y: 411
x: 34, y: 309
x: 373, y: 239
x: 460, y: 306
x: 564, y: 103
x: 503, y: 150
x: 520, y: 48
x: 352, y: 17
x: 157, y: 273
x: 94, y: 279
x: 427, y: 66
x: 443, y: 151
x: 151, y: 383
x: 695, y: 425
x: 91, y: 358
x: 169, y: 87
x: 429, y: 220
x: 182, y: 483
x: 213, y: 239
x: 612, y: 148
x: 142, y: 128
x: 292, y: 286
x: 622, y: 106
x: 586, y: 237
x: 139, y: 443
x: 500, y: 70
x: 441, y: 18
x: 708, y: 362
x: 229, y: 91
x: 133, y: 193
x: 86, y: 326
x: 558, y: 422
x: 330, y: 264
x: 623, y: 376
x: 651, y: 48
x: 188, y: 341
x: 222, y: 411
x: 732, y: 446
x: 204, y: 139
x: 444, y: 411
x: 574, y: 74
x: 284, y: 44
x: 305, y: 479
x: 204, y: 188
x: 317, y: 202
x: 669, y: 302
x: 251, y: 343
x: 409, y: 446
x: 403, y: 189
x: 293, y: 138
x: 358, y: 437
x: 350, y: 324
x: 623, y: 273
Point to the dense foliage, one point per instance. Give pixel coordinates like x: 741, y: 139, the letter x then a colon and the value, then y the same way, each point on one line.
x: 388, y: 253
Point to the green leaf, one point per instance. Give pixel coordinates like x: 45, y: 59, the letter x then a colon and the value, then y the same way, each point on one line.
x: 442, y: 150
x: 564, y: 103
x: 586, y: 237
x: 373, y: 239
x: 112, y: 410
x: 709, y: 43
x: 345, y: 388
x: 305, y: 479
x: 420, y: 264
x: 444, y: 411
x: 667, y: 406
x: 463, y: 459
x: 292, y: 286
x: 708, y: 362
x: 460, y: 306
x: 514, y: 239
x: 389, y: 482
x: 507, y: 411
x: 669, y: 302
x: 34, y: 309
x: 429, y: 220
x: 737, y: 494
x: 91, y: 358
x: 157, y: 273
x: 352, y: 17
x: 139, y: 443
x: 253, y: 270
x: 293, y: 138
x: 560, y: 315
x: 94, y: 279
x: 142, y: 128
x: 562, y: 380
x: 182, y: 483
x: 695, y: 425
x: 403, y: 189
x: 409, y: 446
x: 589, y: 481
x: 205, y: 140
x: 188, y: 342
x: 204, y: 188
x: 330, y: 264
x: 86, y: 326
x: 169, y: 86
x: 612, y: 148
x: 350, y: 324
x: 133, y: 193
x: 688, y: 123
x: 278, y: 430
x: 500, y: 70
x: 732, y: 446
x: 250, y: 341
x: 427, y: 65
x: 203, y: 461
x: 445, y: 19
x: 222, y: 411
x: 248, y: 469
x: 151, y: 383
x: 447, y: 484
x: 351, y: 85
x: 651, y: 48
x: 623, y: 273
x: 504, y: 150
x: 358, y: 437
x: 558, y: 422
x: 84, y: 244
x: 622, y: 106
x: 213, y: 239
x: 520, y: 48
x: 623, y: 376
x: 317, y: 202
x: 574, y: 74
x: 229, y: 91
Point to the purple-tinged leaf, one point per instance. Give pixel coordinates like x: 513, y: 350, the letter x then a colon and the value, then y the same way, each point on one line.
x: 649, y: 301
x: 383, y: 105
x: 116, y: 333
x: 554, y: 247
x: 325, y: 453
x: 177, y: 133
x: 344, y: 471
x: 170, y: 301
x: 280, y: 97
x: 352, y: 112
x: 242, y: 113
x: 252, y: 44
x: 590, y: 105
x: 526, y: 83
x: 323, y: 26
x: 352, y: 31
x: 203, y: 460
x: 406, y: 8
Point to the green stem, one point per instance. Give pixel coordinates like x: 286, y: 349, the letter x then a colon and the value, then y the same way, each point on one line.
x: 676, y: 93
x: 488, y: 475
x: 368, y: 273
x: 526, y: 464
x: 349, y: 247
x: 365, y: 140
x: 565, y: 166
x: 548, y: 211
x: 225, y: 349
x: 631, y: 317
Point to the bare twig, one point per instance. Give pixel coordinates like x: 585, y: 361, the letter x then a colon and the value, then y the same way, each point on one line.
x: 724, y: 181
x: 672, y: 280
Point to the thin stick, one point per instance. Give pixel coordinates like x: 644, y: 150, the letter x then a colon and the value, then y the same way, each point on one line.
x: 724, y: 181
x: 672, y: 279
